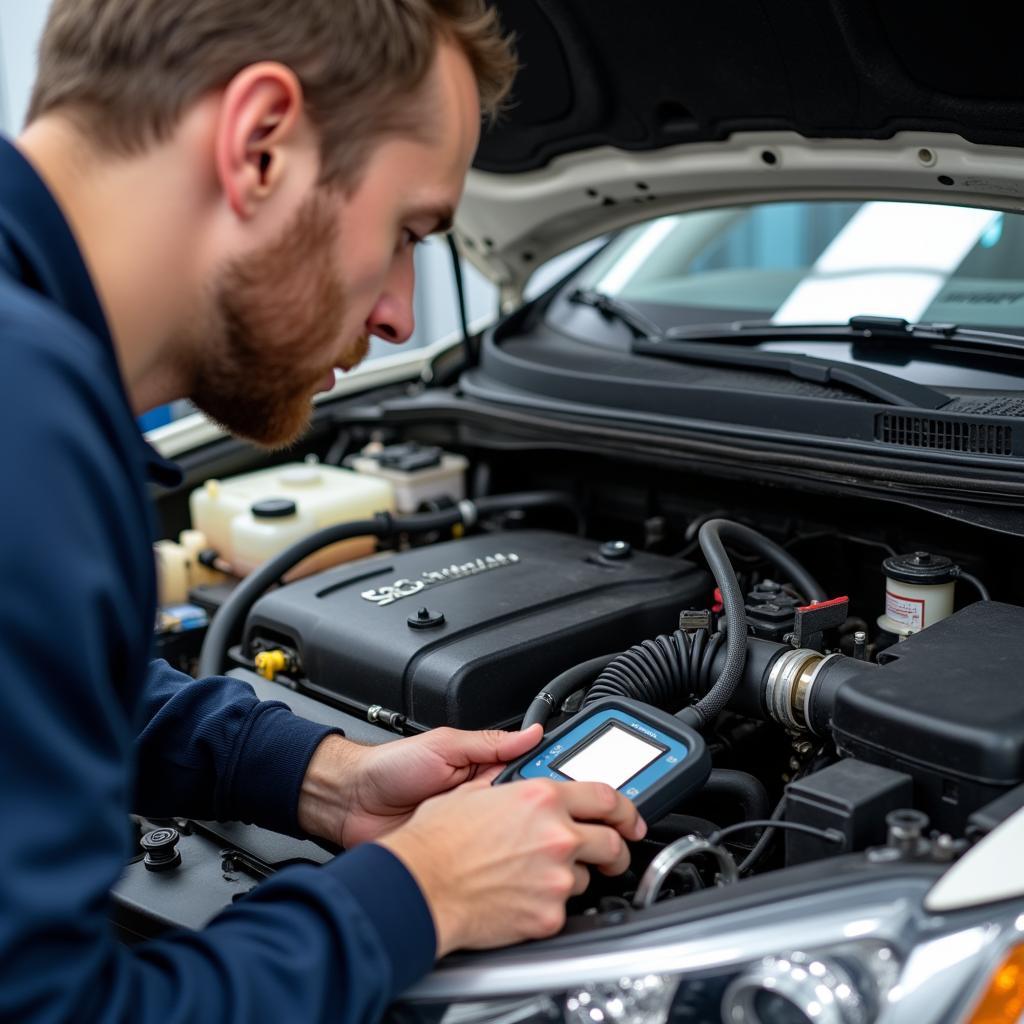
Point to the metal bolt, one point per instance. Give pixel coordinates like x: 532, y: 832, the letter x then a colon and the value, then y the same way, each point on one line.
x: 905, y: 829
x: 860, y: 643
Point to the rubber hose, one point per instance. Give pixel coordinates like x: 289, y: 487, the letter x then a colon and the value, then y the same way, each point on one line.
x: 780, y: 558
x: 710, y: 706
x: 740, y: 787
x: 244, y: 596
x: 977, y: 584
x: 561, y: 687
x: 673, y: 826
x: 667, y: 671
x: 383, y: 525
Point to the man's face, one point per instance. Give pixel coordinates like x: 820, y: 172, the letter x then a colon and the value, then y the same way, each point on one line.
x: 285, y: 317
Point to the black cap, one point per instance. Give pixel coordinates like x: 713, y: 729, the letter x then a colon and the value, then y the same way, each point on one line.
x: 161, y: 846
x: 922, y: 568
x: 410, y: 457
x: 274, y: 508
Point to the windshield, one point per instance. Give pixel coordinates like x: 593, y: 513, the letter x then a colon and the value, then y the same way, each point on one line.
x: 820, y: 262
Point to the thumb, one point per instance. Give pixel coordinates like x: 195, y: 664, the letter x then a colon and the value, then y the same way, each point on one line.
x: 491, y: 746
x: 514, y: 744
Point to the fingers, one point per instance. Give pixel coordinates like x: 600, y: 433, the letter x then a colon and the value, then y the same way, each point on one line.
x: 581, y: 879
x: 486, y: 747
x: 603, y: 848
x: 594, y: 801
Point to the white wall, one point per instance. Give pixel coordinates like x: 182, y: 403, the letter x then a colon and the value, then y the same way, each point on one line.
x: 21, y: 23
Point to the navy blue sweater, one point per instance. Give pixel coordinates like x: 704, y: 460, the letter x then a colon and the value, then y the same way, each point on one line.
x: 89, y: 731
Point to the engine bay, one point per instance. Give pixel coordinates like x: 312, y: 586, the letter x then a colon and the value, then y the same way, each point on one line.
x: 883, y: 715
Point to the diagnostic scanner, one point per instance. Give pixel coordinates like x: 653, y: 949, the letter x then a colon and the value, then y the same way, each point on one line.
x: 649, y: 756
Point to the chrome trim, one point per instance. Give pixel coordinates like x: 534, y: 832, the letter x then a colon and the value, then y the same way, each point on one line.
x: 674, y: 854
x: 880, y: 911
x: 819, y: 988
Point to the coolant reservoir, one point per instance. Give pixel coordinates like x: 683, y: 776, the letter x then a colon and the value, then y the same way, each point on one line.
x: 248, y: 519
x: 919, y: 591
x: 418, y: 473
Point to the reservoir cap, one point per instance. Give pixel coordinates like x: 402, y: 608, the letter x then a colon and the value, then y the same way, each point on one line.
x: 274, y: 508
x: 922, y: 568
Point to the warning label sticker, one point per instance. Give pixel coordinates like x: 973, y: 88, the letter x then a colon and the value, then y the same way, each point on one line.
x: 907, y: 611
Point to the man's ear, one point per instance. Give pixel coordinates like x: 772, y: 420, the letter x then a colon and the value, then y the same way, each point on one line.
x: 260, y: 113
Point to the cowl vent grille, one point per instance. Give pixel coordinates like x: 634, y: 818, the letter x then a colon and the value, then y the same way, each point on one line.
x: 997, y: 405
x: 945, y: 435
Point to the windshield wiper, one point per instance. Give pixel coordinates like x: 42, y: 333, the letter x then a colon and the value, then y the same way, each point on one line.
x: 887, y: 328
x: 650, y: 340
x: 750, y: 332
x: 885, y: 387
x: 616, y: 309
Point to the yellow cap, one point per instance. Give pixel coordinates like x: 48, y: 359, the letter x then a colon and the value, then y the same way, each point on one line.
x: 269, y: 663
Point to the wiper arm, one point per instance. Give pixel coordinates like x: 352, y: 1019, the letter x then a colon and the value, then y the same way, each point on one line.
x: 650, y: 340
x: 884, y: 387
x: 616, y: 309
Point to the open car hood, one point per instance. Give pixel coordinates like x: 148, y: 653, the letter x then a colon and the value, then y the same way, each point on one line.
x: 622, y: 112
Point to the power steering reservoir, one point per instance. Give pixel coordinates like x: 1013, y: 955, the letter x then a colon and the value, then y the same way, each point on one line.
x: 918, y: 591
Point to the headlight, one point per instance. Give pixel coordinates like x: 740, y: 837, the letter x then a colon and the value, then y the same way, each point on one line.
x: 855, y: 954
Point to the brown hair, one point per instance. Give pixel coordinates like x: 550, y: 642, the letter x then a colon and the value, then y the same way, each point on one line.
x: 126, y: 70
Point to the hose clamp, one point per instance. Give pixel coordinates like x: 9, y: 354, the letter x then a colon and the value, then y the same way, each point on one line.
x: 468, y: 512
x: 789, y: 685
x: 805, y: 684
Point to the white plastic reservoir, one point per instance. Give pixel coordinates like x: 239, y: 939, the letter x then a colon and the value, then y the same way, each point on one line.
x: 919, y: 591
x: 248, y: 519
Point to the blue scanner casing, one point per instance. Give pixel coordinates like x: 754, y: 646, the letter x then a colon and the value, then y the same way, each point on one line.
x: 676, y: 761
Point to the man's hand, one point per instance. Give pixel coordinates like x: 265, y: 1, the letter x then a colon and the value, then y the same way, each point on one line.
x: 496, y: 865
x: 353, y: 794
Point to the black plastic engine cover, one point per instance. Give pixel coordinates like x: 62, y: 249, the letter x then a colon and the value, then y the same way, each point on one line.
x: 947, y: 708
x: 506, y: 612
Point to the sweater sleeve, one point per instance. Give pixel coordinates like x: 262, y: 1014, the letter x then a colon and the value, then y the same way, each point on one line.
x: 210, y: 749
x: 336, y: 943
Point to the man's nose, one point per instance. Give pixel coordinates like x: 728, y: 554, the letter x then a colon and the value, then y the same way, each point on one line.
x: 393, y: 318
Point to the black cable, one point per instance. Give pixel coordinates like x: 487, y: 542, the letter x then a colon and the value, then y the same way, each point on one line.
x: 977, y: 584
x: 830, y: 835
x: 233, y: 611
x: 763, y: 840
x: 832, y: 535
x: 460, y: 289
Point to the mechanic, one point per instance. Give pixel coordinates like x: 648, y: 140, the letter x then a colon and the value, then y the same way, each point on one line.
x: 220, y: 200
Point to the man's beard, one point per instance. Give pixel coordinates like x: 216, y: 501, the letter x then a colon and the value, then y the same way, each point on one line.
x: 274, y: 335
